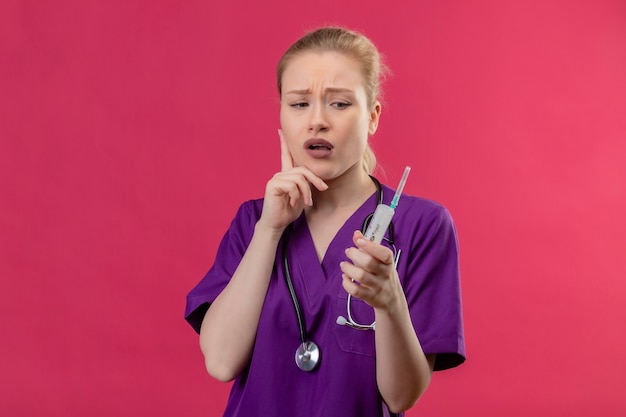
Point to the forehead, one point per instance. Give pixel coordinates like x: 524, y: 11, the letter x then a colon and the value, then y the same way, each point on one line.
x: 328, y: 68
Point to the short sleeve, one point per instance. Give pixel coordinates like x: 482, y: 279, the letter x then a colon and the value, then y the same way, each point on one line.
x: 432, y: 285
x: 227, y: 259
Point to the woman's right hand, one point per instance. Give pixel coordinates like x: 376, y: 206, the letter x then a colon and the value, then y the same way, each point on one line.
x: 288, y: 192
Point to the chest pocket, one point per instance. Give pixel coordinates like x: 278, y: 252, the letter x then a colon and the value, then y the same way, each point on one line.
x: 351, y: 340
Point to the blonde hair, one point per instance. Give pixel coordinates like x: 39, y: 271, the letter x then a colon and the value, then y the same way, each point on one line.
x: 352, y: 44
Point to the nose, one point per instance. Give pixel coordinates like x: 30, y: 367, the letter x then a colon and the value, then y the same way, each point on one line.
x: 318, y: 122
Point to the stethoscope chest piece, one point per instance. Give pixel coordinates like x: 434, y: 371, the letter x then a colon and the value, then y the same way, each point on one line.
x: 307, y: 356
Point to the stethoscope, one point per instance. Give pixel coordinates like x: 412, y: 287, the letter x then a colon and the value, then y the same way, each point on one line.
x: 308, y: 353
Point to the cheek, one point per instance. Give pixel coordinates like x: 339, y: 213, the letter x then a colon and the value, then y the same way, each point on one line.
x: 287, y: 121
x: 361, y: 128
x: 359, y: 139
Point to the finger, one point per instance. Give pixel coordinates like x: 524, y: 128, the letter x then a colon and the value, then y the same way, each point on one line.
x: 352, y: 287
x: 363, y: 260
x: 313, y: 179
x: 377, y: 262
x: 296, y: 185
x: 348, y: 269
x: 287, y: 163
x: 306, y: 175
x: 356, y: 288
x: 383, y: 254
x: 361, y: 277
x: 286, y: 160
x: 295, y: 189
x: 352, y: 272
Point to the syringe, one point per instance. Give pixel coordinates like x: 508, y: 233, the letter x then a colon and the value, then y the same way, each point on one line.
x: 383, y: 214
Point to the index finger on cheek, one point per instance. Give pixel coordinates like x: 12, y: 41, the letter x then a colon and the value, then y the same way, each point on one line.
x: 286, y: 160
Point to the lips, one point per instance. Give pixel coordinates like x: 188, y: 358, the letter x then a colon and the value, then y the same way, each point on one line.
x: 316, y: 143
x: 318, y: 148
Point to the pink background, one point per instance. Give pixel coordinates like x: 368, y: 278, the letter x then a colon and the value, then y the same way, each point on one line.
x: 130, y: 131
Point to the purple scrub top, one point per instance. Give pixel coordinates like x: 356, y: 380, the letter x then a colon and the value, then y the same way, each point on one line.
x: 344, y: 382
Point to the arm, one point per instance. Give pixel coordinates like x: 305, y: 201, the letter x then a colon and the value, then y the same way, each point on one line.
x: 403, y: 372
x: 229, y: 327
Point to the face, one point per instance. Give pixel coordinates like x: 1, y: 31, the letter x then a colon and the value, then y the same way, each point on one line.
x: 324, y: 113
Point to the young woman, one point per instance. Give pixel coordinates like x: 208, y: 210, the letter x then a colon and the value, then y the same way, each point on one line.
x: 288, y: 309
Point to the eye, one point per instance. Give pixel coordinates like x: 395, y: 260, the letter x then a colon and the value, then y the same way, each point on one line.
x: 340, y: 104
x: 299, y: 105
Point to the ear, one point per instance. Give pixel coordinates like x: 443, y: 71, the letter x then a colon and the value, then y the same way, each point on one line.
x: 374, y: 118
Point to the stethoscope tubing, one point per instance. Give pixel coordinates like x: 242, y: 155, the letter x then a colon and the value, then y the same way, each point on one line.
x: 308, y: 349
x: 292, y: 291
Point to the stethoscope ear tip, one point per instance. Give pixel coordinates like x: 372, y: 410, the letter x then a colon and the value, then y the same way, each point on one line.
x: 342, y: 321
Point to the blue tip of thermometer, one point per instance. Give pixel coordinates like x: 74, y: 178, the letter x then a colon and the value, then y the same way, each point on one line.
x: 382, y: 216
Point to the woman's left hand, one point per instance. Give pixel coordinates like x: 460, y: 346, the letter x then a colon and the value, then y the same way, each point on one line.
x: 371, y: 276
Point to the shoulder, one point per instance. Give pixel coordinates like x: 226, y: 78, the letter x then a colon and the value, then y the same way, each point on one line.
x: 414, y: 208
x: 250, y: 209
x: 246, y: 217
x: 418, y: 221
x: 248, y: 213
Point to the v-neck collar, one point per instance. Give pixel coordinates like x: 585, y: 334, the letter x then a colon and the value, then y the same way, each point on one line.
x: 304, y: 256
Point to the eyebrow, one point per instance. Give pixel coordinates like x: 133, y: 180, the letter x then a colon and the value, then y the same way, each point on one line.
x: 326, y: 90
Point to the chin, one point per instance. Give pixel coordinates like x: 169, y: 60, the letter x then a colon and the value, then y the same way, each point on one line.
x: 331, y: 175
x: 329, y: 171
